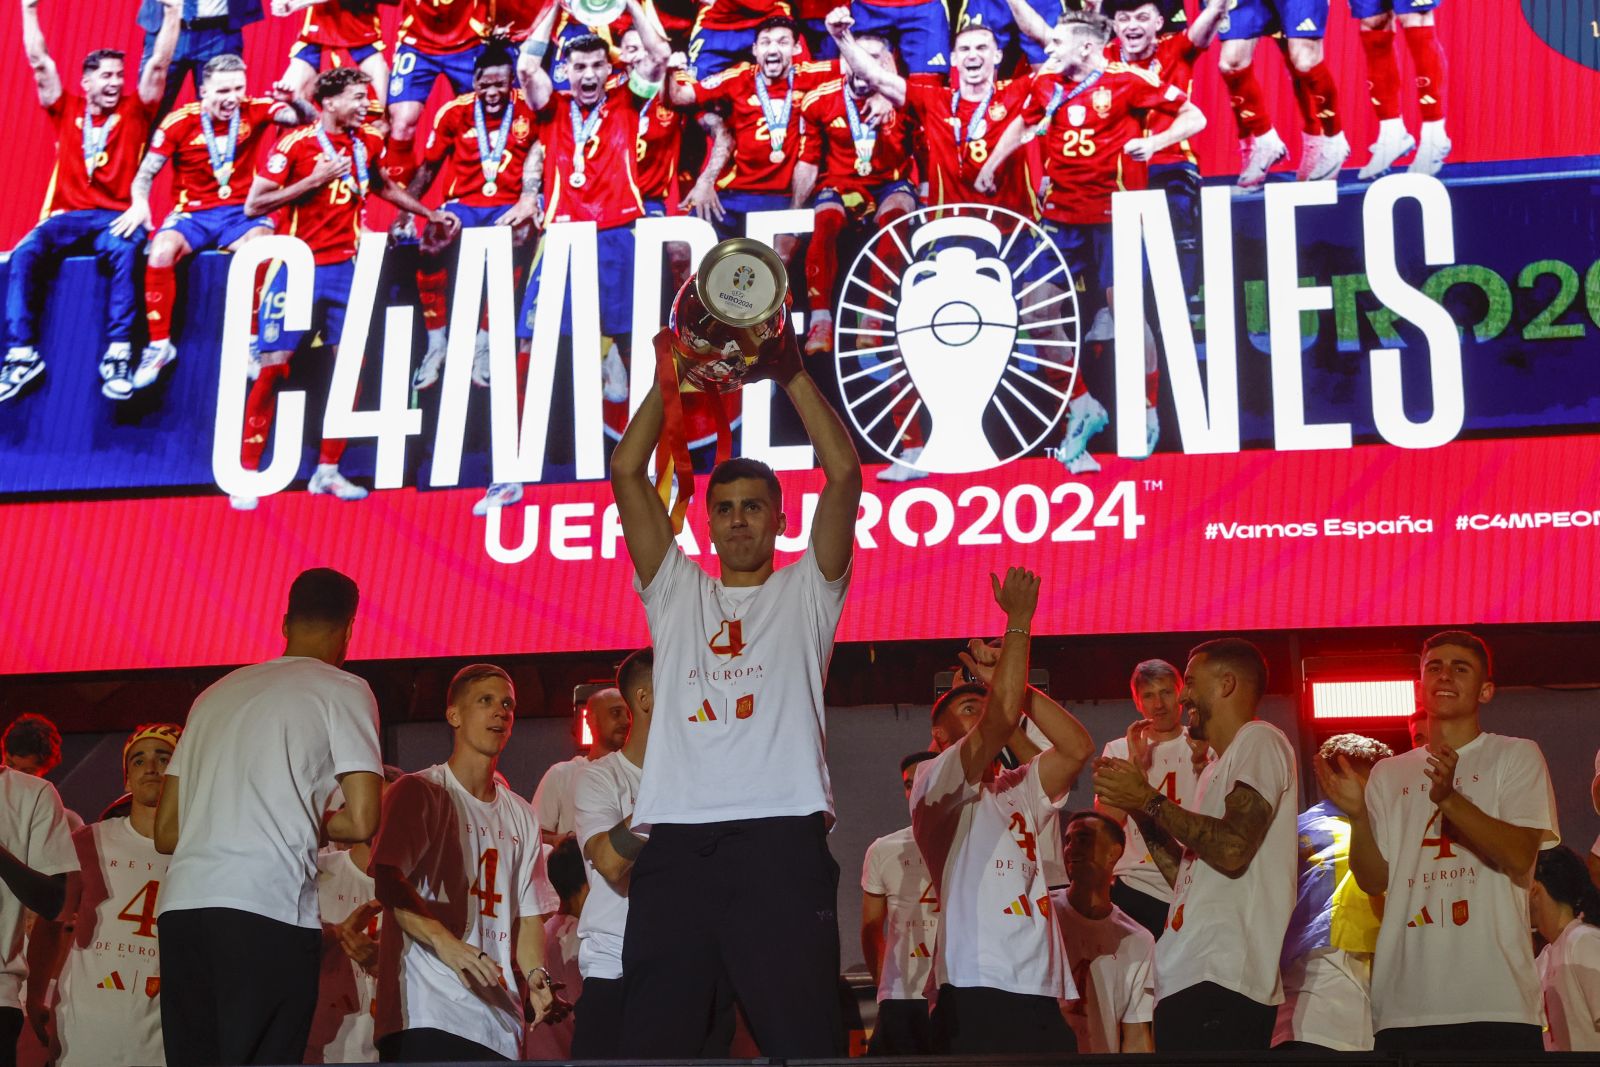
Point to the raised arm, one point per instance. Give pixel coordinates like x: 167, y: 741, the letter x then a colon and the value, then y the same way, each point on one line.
x: 1510, y: 849
x: 153, y: 78
x: 652, y: 40
x: 888, y: 82
x: 1018, y: 597
x: 646, y: 527
x: 536, y: 84
x: 1070, y: 744
x: 833, y: 530
x: 46, y: 78
x: 1344, y: 787
x: 1032, y: 24
x: 1203, y: 29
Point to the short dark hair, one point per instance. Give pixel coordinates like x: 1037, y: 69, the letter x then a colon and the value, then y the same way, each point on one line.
x: 1110, y: 8
x: 322, y: 594
x: 93, y: 60
x: 638, y: 668
x: 497, y: 52
x: 1153, y: 670
x: 589, y: 42
x: 739, y: 467
x: 1111, y: 825
x: 1566, y: 879
x: 975, y: 28
x: 473, y: 672
x: 777, y: 22
x: 950, y: 696
x: 330, y: 83
x: 915, y: 758
x: 1359, y: 749
x: 35, y: 736
x: 1462, y: 639
x: 1240, y: 656
x: 565, y: 868
x: 226, y: 63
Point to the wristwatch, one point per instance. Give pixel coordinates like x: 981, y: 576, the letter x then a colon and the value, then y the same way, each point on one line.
x: 1153, y: 806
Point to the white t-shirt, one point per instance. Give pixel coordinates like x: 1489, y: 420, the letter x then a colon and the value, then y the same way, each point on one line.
x: 552, y: 800
x: 258, y: 760
x: 1113, y: 965
x: 478, y: 867
x: 1327, y: 1000
x: 738, y: 729
x: 893, y: 869
x: 1447, y: 912
x: 108, y: 1011
x: 1569, y: 971
x: 603, y: 794
x: 987, y: 846
x: 341, y: 1031
x: 1171, y: 771
x: 1230, y: 930
x: 33, y: 828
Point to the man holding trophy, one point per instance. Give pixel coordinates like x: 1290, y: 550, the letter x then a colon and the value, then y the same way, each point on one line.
x: 736, y: 884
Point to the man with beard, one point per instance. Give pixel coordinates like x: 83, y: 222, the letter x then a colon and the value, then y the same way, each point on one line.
x: 554, y: 801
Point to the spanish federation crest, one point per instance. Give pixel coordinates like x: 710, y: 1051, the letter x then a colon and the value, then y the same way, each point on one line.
x: 1101, y: 99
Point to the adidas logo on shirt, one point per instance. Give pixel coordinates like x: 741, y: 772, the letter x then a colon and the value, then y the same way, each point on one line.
x: 1307, y: 26
x: 940, y: 61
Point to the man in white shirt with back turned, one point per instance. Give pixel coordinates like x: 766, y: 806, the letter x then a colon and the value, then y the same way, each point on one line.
x: 1450, y: 833
x: 735, y: 887
x: 1231, y: 859
x: 988, y: 837
x: 241, y: 815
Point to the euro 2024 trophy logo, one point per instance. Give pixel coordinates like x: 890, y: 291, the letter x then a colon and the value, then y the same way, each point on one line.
x: 964, y: 317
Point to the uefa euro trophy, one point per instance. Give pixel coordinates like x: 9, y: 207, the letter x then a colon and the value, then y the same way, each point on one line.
x: 729, y: 325
x: 596, y: 13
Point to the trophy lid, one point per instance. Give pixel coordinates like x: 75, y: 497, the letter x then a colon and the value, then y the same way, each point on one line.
x: 742, y: 282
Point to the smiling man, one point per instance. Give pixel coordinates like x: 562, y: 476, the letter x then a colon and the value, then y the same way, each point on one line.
x: 1451, y: 833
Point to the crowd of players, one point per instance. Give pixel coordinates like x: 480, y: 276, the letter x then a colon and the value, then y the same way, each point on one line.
x: 863, y: 112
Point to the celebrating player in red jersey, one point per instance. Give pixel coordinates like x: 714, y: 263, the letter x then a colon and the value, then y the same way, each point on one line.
x: 1416, y: 22
x: 99, y: 138
x: 332, y: 27
x: 437, y: 40
x: 1091, y: 116
x: 724, y: 30
x: 762, y: 100
x: 213, y: 145
x: 321, y: 175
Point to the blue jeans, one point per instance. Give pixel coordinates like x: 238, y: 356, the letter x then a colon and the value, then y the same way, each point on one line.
x: 71, y: 233
x: 195, y: 48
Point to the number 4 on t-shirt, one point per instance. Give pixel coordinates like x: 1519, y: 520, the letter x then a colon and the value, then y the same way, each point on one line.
x: 483, y: 886
x: 143, y: 919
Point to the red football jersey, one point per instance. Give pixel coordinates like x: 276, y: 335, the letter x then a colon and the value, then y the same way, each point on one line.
x: 328, y: 219
x: 454, y: 144
x: 751, y: 170
x: 954, y: 157
x: 738, y: 14
x: 1172, y: 62
x: 126, y: 129
x: 658, y: 151
x: 609, y: 195
x: 1083, y: 144
x: 439, y: 26
x: 182, y: 139
x: 342, y: 23
x: 831, y: 145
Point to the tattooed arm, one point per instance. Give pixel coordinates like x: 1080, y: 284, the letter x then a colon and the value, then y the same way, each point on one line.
x: 1227, y: 844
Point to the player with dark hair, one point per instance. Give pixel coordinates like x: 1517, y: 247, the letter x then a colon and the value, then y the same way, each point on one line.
x: 1299, y: 27
x: 604, y: 796
x: 213, y: 144
x: 320, y: 176
x: 1566, y: 912
x: 32, y: 745
x: 1327, y: 953
x: 990, y: 837
x: 108, y: 927
x: 1093, y: 117
x: 761, y: 101
x: 435, y: 41
x: 1111, y: 955
x: 899, y: 931
x: 1229, y: 859
x: 458, y: 866
x: 724, y: 30
x: 1450, y: 834
x: 1011, y: 22
x: 1415, y: 20
x: 100, y: 135
x: 736, y: 876
x: 339, y: 31
x: 242, y: 814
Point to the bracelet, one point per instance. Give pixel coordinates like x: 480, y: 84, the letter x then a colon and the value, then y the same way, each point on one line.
x: 548, y: 981
x: 1016, y: 630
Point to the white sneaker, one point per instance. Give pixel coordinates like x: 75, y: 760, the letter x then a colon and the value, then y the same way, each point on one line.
x: 243, y: 503
x: 327, y: 479
x: 480, y: 359
x: 22, y: 365
x: 1394, y: 141
x: 819, y: 341
x: 1084, y: 464
x: 252, y: 367
x: 1265, y: 151
x: 115, y: 371
x: 432, y: 364
x: 901, y: 470
x: 1432, y: 149
x: 500, y: 495
x: 151, y: 361
x: 1086, y: 417
x: 1310, y: 155
x: 1331, y: 157
x: 613, y: 377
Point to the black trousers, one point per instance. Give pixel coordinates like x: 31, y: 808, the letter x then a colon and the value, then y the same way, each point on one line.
x: 1462, y: 1037
x: 427, y: 1045
x: 236, y: 987
x: 903, y: 1029
x: 1210, y: 1018
x: 10, y: 1032
x: 597, y: 1020
x: 1142, y: 908
x: 746, y: 907
x: 978, y: 1021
